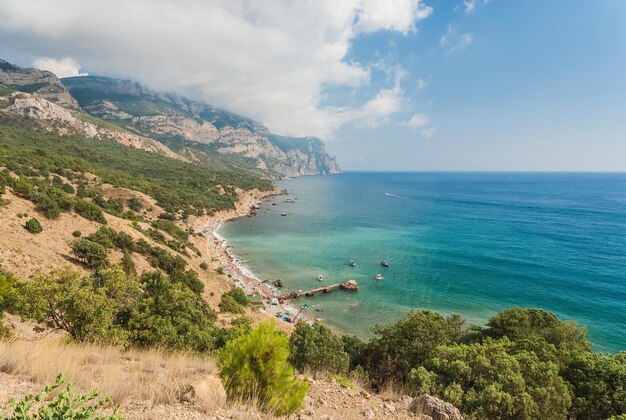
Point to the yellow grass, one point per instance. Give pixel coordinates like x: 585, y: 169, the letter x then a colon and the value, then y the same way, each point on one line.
x: 155, y: 376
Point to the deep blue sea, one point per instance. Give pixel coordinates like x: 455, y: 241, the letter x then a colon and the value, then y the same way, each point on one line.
x: 470, y: 243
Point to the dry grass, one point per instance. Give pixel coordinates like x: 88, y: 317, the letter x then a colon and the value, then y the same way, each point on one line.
x: 390, y: 391
x: 155, y: 376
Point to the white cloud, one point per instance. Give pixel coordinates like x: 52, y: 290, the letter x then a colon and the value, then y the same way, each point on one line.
x: 394, y: 15
x: 470, y: 6
x: 428, y: 133
x: 421, y: 84
x: 64, y: 67
x: 267, y: 60
x: 454, y: 41
x: 418, y: 120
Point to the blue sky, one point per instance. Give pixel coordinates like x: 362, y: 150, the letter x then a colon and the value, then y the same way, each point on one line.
x: 542, y: 86
x: 389, y: 84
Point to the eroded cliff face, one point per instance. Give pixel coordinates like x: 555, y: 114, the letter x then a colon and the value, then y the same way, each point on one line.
x: 54, y: 118
x: 195, y: 126
x: 40, y: 82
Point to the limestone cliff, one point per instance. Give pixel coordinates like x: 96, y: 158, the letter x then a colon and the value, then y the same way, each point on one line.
x: 197, y: 129
x: 40, y: 82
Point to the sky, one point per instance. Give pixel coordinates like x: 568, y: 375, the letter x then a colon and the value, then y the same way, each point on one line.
x: 405, y: 85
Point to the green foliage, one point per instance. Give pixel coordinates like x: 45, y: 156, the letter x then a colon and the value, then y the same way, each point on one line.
x: 89, y: 211
x: 239, y: 327
x: 77, y: 234
x: 33, y: 226
x: 66, y: 404
x: 528, y: 323
x: 599, y: 385
x: 317, y: 349
x: 8, y: 282
x: 173, y: 183
x: 171, y: 315
x: 219, y: 270
x: 235, y: 301
x: 171, y: 228
x: 204, y: 266
x: 356, y: 350
x: 128, y: 265
x: 409, y: 342
x: 229, y: 304
x: 255, y: 366
x: 494, y: 380
x: 239, y: 295
x: 135, y: 204
x: 91, y: 253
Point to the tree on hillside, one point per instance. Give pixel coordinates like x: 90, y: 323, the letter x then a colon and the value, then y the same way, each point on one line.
x: 317, y: 349
x: 399, y: 347
x: 91, y: 253
x: 493, y: 381
x: 255, y: 366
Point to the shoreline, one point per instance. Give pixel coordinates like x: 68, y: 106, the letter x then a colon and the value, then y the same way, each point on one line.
x: 240, y: 275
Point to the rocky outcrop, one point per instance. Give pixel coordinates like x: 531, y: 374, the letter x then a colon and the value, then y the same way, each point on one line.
x: 430, y: 407
x: 200, y: 127
x: 54, y: 118
x: 39, y: 82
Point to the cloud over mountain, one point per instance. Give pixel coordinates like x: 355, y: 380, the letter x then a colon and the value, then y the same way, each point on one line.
x: 268, y: 60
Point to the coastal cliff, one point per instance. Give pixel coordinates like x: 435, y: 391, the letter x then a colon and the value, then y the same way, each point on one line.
x: 196, y: 129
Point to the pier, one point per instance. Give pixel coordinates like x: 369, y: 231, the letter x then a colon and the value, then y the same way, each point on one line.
x: 350, y: 285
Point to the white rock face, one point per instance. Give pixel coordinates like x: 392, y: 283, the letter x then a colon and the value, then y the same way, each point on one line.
x: 55, y: 118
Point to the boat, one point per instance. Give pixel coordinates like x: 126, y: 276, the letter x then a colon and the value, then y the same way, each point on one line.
x: 352, y: 263
x: 379, y: 277
x: 284, y: 213
x: 384, y: 263
x: 320, y: 277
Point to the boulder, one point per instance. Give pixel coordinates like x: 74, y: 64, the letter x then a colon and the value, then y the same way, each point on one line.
x: 435, y: 408
x: 208, y: 394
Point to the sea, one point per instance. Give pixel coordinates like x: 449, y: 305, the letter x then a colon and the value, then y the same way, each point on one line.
x: 466, y: 243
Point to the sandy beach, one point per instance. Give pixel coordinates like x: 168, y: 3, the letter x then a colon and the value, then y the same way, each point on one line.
x: 242, y: 277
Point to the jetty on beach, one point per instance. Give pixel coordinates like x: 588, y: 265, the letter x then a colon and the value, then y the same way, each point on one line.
x: 350, y: 285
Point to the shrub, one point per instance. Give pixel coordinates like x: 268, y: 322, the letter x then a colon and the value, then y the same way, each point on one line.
x: 128, y: 265
x: 204, y: 266
x: 229, y: 304
x: 33, y: 226
x: 255, y: 366
x: 239, y: 295
x: 135, y: 204
x: 89, y: 211
x: 316, y: 348
x: 66, y: 404
x: 91, y: 253
x: 77, y: 233
x: 405, y: 344
x: 220, y: 270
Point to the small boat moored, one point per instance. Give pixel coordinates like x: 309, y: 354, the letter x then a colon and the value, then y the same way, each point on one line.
x: 351, y: 263
x: 379, y: 277
x: 384, y: 263
x: 320, y: 277
x: 284, y: 213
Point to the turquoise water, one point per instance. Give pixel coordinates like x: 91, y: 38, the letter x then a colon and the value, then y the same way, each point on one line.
x: 470, y: 243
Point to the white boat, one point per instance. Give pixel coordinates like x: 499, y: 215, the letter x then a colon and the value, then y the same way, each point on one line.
x: 379, y: 277
x: 320, y: 277
x: 352, y: 263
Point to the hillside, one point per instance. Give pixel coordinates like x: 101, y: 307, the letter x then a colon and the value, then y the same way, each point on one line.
x: 199, y: 130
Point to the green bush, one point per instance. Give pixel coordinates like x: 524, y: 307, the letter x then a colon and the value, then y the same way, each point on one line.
x: 89, y: 211
x: 239, y: 295
x: 91, y: 253
x: 204, y: 266
x: 229, y: 304
x: 220, y: 270
x: 66, y: 404
x: 128, y: 265
x: 494, y: 380
x: 255, y: 366
x: 77, y: 234
x: 33, y: 226
x: 317, y: 349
